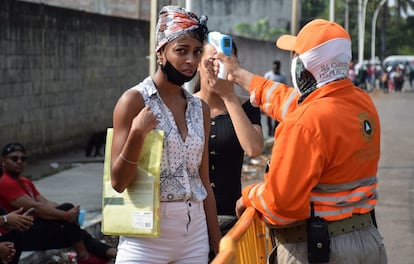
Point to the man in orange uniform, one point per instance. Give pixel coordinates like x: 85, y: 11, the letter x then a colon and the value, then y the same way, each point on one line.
x: 325, y: 156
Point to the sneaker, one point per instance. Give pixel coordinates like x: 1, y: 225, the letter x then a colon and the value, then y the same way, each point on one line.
x: 92, y: 259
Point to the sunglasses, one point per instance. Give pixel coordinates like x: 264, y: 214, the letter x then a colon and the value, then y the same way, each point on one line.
x: 16, y: 158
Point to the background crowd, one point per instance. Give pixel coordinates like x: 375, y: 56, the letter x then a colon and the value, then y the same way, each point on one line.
x: 389, y: 77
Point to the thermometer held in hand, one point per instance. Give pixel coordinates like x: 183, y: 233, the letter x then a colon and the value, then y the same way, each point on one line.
x: 222, y: 43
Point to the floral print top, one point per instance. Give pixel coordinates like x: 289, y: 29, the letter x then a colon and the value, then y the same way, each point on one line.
x: 179, y: 173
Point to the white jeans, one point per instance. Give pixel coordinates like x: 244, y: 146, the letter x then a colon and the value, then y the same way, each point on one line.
x: 183, y: 238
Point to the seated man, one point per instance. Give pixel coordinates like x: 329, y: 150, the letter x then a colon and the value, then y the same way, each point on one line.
x: 54, y: 226
x: 11, y: 238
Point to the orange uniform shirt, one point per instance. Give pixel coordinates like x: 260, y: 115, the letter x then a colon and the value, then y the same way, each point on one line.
x: 326, y: 150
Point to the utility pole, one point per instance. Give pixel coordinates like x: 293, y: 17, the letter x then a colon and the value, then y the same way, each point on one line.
x: 190, y: 84
x: 346, y: 26
x: 362, y: 7
x: 374, y: 23
x: 294, y: 18
x: 331, y: 10
x: 153, y: 24
x: 189, y: 5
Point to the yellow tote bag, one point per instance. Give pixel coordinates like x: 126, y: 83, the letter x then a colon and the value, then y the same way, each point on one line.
x: 134, y: 212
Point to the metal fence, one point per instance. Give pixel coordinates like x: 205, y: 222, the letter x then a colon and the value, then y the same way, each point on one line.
x: 247, y: 242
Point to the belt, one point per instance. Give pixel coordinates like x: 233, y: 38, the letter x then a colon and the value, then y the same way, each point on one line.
x: 298, y: 233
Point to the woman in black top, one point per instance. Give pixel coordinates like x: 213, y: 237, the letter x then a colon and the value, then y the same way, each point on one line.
x: 235, y: 130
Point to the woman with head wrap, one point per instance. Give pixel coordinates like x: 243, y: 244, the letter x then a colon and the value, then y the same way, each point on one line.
x: 188, y: 215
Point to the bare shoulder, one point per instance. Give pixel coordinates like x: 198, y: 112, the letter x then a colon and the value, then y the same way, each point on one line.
x: 131, y: 99
x: 128, y: 106
x: 131, y: 95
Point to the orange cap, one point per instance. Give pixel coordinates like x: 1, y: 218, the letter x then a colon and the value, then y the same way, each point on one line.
x: 313, y: 34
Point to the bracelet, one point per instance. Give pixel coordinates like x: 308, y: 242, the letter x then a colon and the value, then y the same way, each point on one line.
x: 127, y: 160
x: 4, y: 218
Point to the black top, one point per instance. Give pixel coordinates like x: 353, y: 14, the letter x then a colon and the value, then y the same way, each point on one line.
x: 226, y: 159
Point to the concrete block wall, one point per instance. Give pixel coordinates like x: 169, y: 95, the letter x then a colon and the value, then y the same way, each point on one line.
x: 258, y: 56
x: 62, y: 71
x: 224, y: 15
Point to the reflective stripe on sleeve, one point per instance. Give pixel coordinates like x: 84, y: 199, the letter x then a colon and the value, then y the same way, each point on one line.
x: 269, y: 217
x: 267, y: 101
x: 253, y: 99
x: 287, y: 103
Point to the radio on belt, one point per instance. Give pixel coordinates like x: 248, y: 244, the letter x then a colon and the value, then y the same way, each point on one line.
x: 222, y: 43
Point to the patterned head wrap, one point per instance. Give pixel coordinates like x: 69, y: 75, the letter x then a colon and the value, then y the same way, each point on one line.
x: 174, y: 21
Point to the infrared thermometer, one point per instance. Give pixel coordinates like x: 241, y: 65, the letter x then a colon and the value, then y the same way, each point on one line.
x: 222, y: 43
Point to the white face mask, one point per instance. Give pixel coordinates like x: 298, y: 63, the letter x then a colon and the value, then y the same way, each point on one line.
x: 326, y: 63
x: 293, y: 74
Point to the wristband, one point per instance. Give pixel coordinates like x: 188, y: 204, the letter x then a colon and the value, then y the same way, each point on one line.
x: 4, y: 218
x: 127, y: 160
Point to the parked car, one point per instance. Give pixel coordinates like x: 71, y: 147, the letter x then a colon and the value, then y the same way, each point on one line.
x: 395, y: 60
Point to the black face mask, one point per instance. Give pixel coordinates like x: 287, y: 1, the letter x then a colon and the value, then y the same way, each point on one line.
x: 175, y: 76
x: 304, y: 81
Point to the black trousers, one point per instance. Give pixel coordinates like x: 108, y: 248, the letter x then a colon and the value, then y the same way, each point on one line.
x: 55, y: 234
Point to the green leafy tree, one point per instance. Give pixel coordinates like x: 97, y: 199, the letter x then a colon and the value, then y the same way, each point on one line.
x: 260, y: 30
x: 394, y: 27
x: 400, y: 35
x: 312, y: 9
x: 403, y: 6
